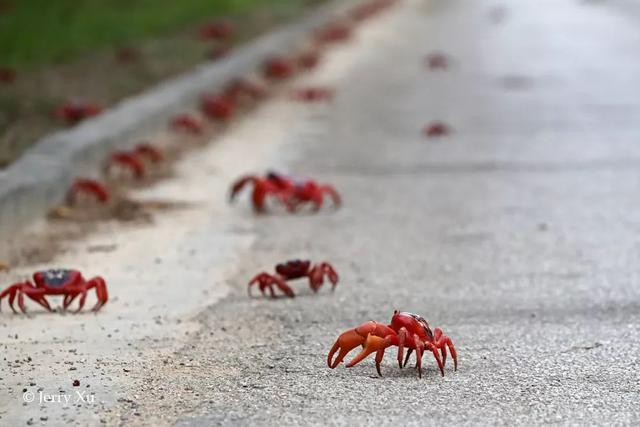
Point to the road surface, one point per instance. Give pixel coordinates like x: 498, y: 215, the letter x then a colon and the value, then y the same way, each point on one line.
x: 517, y: 234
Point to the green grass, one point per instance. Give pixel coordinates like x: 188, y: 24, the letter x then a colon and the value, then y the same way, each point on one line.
x: 65, y: 49
x: 41, y: 32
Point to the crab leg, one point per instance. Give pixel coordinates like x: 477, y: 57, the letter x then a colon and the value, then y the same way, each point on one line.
x: 11, y: 291
x: 317, y: 273
x: 434, y: 350
x: 337, y: 200
x: 402, y: 336
x: 260, y: 190
x: 267, y: 280
x: 37, y: 295
x: 317, y: 200
x: 419, y: 348
x: 101, y: 291
x: 440, y: 341
x: 83, y: 297
x: 406, y: 359
x: 25, y: 288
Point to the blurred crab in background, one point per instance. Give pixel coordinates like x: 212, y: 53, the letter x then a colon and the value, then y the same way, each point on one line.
x: 127, y: 55
x: 136, y: 162
x: 219, y: 107
x: 308, y: 60
x: 7, y: 75
x: 219, y: 30
x: 295, y: 269
x: 333, y: 32
x: 437, y: 61
x: 244, y: 91
x: 73, y: 112
x: 83, y: 188
x: 218, y: 52
x: 187, y: 123
x: 436, y: 129
x: 313, y: 94
x: 292, y: 193
x: 278, y: 68
x: 406, y: 330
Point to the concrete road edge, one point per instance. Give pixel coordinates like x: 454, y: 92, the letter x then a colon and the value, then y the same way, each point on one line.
x: 39, y: 179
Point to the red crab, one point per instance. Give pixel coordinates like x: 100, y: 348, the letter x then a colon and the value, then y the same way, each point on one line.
x: 290, y: 192
x: 87, y: 187
x: 221, y: 29
x: 437, y: 61
x: 308, y: 60
x: 75, y: 111
x: 295, y: 269
x: 243, y: 88
x: 218, y: 52
x: 148, y: 152
x: 333, y: 33
x: 436, y: 129
x: 7, y: 75
x: 405, y: 330
x: 187, y: 123
x: 217, y: 107
x: 365, y: 10
x: 313, y: 94
x: 127, y: 55
x: 69, y: 283
x: 126, y: 160
x: 369, y: 9
x: 278, y: 68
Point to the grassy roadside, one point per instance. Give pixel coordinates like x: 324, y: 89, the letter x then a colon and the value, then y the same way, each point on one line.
x: 66, y: 49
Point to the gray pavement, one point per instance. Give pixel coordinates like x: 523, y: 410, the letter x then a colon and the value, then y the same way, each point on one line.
x: 517, y: 234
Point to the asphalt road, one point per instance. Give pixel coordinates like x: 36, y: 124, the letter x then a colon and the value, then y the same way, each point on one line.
x: 517, y: 234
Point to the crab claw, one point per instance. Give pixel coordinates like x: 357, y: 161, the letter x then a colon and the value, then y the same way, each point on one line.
x: 373, y: 344
x: 367, y: 335
x: 346, y: 342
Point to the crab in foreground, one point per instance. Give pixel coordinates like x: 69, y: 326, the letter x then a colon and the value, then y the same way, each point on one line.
x: 295, y: 269
x: 69, y: 283
x: 292, y: 193
x: 406, y: 330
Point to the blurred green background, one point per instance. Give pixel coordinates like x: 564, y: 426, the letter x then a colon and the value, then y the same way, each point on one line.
x: 35, y: 32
